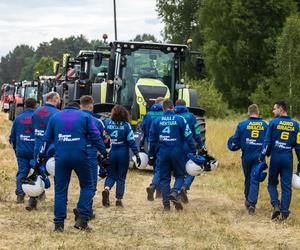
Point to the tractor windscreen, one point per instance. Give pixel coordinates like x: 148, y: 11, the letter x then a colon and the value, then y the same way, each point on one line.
x: 145, y: 63
x: 99, y: 72
x: 31, y: 92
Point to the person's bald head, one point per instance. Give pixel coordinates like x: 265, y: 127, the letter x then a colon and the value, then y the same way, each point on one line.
x: 53, y: 98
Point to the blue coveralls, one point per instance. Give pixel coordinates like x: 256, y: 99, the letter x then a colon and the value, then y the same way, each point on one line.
x: 92, y: 151
x: 250, y: 136
x: 194, y: 126
x: 71, y: 130
x: 40, y: 121
x: 167, y: 137
x: 121, y: 139
x: 22, y: 140
x: 156, y: 111
x: 282, y: 135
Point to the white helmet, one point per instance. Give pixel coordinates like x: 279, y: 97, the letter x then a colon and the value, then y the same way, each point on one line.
x: 50, y: 166
x: 193, y: 169
x: 296, y: 181
x: 33, y: 185
x: 144, y: 160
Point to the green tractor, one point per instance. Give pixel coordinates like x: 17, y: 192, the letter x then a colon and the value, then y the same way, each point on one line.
x: 138, y: 73
x: 82, y: 72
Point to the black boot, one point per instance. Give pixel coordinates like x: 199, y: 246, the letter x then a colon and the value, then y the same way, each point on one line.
x: 284, y: 216
x: 76, y: 213
x: 59, y: 227
x: 251, y: 210
x: 150, y: 193
x: 82, y: 224
x: 167, y: 208
x: 276, y: 212
x: 174, y: 197
x: 119, y: 203
x: 32, y: 202
x: 105, y: 198
x: 183, y: 195
x: 158, y: 194
x: 20, y: 198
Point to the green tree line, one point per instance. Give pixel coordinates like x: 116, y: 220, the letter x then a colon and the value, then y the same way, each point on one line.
x: 26, y: 63
x: 251, y: 49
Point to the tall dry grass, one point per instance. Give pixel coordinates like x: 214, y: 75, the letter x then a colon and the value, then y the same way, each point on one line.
x: 215, y: 218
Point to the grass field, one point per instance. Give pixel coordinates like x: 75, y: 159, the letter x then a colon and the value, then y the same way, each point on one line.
x: 215, y: 218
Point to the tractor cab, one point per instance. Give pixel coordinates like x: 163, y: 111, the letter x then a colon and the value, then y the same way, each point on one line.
x: 33, y: 89
x: 89, y: 67
x: 139, y: 72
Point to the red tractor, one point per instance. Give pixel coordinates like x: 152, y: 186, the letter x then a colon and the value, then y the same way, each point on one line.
x: 7, y: 96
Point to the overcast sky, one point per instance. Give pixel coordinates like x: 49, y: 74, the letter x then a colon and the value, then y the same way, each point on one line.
x: 34, y: 21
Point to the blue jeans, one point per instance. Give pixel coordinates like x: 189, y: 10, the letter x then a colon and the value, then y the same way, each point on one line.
x: 281, y: 164
x: 64, y: 164
x: 117, y: 169
x: 251, y: 185
x: 23, y: 170
x: 171, y: 160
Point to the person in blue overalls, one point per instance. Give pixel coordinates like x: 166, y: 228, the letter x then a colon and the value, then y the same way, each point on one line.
x: 87, y: 106
x: 249, y: 137
x: 156, y: 111
x: 168, y: 135
x: 71, y: 130
x: 22, y: 139
x: 282, y: 136
x: 121, y: 139
x: 182, y: 110
x: 40, y: 120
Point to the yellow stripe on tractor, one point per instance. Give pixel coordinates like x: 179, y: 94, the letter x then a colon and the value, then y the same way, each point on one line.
x: 103, y: 92
x: 140, y: 100
x: 184, y: 94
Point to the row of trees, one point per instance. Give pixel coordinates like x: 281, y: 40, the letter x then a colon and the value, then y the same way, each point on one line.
x: 25, y: 62
x: 250, y: 48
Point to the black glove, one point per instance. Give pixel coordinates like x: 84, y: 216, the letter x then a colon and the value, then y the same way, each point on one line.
x: 203, y: 151
x: 138, y: 160
x: 103, y: 175
x: 40, y: 159
x: 142, y: 149
x: 151, y: 161
x: 105, y: 163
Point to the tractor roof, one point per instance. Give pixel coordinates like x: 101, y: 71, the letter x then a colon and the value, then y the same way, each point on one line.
x: 149, y: 45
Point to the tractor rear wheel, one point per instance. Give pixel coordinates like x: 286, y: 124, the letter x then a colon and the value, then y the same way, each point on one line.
x: 11, y: 112
x: 202, y: 126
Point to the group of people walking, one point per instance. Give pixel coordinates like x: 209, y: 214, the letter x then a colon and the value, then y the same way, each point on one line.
x: 78, y: 140
x: 257, y: 140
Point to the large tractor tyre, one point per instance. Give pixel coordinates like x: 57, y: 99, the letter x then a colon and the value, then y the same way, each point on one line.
x: 11, y: 113
x: 202, y: 126
x: 18, y: 110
